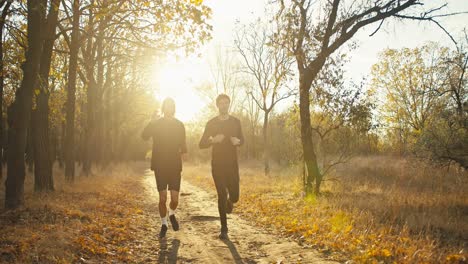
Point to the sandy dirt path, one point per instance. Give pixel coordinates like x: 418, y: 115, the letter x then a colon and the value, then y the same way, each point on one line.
x: 197, y: 241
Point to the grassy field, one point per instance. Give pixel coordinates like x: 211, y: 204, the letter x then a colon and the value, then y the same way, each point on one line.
x: 372, y: 210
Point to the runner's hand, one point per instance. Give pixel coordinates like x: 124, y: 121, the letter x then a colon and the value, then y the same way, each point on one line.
x: 235, y: 141
x: 217, y: 139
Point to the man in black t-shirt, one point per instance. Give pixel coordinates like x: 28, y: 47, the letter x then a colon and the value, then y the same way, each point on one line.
x: 169, y: 145
x: 224, y: 134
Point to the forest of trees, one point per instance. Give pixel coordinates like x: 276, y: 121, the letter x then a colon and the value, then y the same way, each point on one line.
x: 74, y: 86
x: 73, y: 90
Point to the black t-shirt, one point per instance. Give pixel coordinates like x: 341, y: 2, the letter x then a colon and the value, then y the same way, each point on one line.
x: 223, y: 153
x: 168, y: 143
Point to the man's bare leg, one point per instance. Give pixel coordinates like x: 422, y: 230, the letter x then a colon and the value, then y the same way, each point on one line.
x: 163, y: 213
x: 172, y: 208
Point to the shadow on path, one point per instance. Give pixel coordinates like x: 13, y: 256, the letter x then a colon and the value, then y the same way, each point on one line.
x: 168, y: 255
x: 204, y: 218
x: 235, y: 254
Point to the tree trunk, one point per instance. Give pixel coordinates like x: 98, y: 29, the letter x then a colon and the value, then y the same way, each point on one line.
x: 81, y: 141
x: 266, y: 147
x: 90, y: 103
x: 109, y: 121
x: 4, y: 141
x: 29, y: 153
x: 71, y: 97
x: 310, y: 159
x: 54, y: 142
x: 61, y: 148
x: 19, y: 113
x: 90, y: 129
x: 90, y: 135
x: 100, y: 147
x: 116, y: 135
x: 254, y: 142
x: 99, y: 108
x: 2, y: 23
x: 43, y: 178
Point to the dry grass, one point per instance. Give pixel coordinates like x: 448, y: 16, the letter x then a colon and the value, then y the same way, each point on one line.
x: 377, y: 210
x: 427, y: 199
x: 94, y: 220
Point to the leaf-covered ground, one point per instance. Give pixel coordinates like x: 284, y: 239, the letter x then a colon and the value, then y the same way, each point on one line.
x: 360, y: 221
x: 100, y: 218
x: 111, y: 217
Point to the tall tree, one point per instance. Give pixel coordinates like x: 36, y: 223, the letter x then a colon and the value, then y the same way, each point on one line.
x: 409, y: 78
x: 252, y: 112
x: 5, y: 9
x: 43, y: 178
x: 457, y: 80
x: 270, y: 66
x: 89, y: 65
x: 71, y: 96
x: 313, y: 30
x: 19, y: 113
x: 425, y: 88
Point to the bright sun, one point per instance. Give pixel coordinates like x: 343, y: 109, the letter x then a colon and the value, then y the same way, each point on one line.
x: 178, y: 80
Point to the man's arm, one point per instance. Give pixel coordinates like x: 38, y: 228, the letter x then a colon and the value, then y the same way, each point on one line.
x: 205, y: 139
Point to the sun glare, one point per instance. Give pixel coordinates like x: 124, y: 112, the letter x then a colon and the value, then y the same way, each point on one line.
x: 178, y: 80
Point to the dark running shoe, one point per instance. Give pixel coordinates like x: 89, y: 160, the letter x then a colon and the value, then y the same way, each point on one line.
x: 229, y: 206
x: 174, y: 223
x: 163, y: 231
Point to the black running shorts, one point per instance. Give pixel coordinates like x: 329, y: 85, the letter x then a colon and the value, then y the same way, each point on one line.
x: 167, y: 180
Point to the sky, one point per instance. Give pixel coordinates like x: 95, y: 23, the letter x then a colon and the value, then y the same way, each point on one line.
x: 393, y: 35
x: 195, y: 70
x: 408, y: 34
